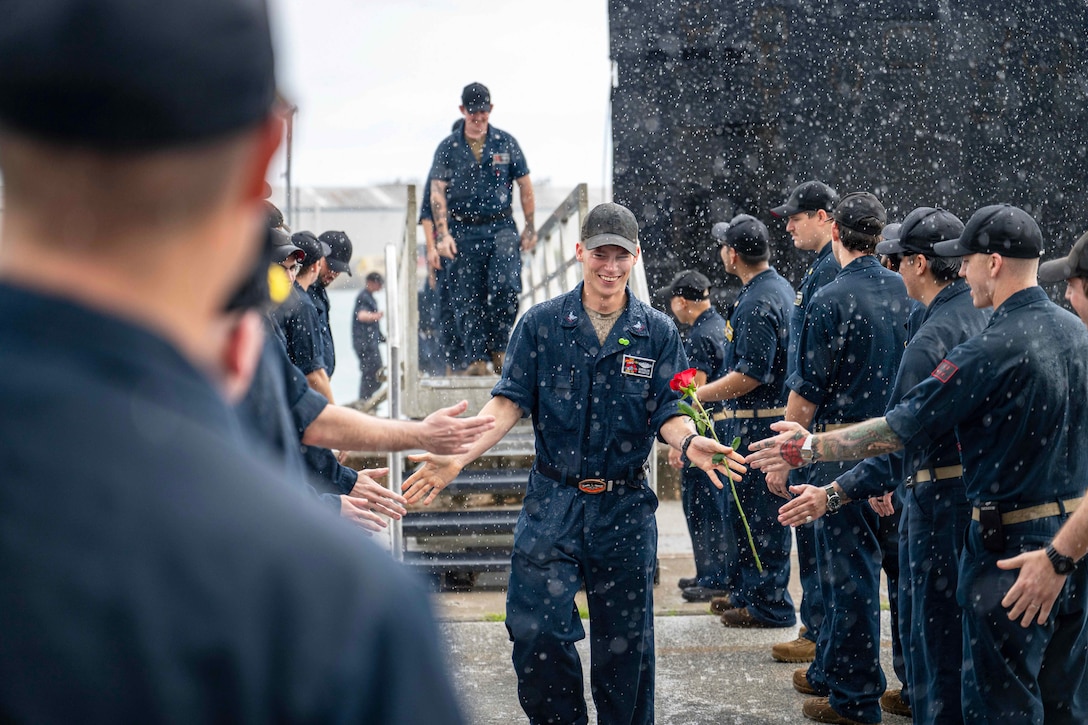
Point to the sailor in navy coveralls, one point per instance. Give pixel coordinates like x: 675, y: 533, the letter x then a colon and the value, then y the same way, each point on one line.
x: 592, y: 367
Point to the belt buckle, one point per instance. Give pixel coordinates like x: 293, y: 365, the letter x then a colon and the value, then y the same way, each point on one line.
x: 592, y: 485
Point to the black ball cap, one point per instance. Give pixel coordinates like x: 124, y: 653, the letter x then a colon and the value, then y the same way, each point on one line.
x: 475, y: 97
x: 311, y: 246
x: 745, y: 234
x: 1074, y: 264
x: 861, y: 212
x: 339, y: 251
x: 998, y: 229
x: 133, y: 75
x: 809, y: 196
x: 610, y: 223
x: 923, y: 227
x: 689, y: 284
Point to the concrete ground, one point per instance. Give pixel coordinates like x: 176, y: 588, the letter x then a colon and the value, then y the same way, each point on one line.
x: 706, y: 673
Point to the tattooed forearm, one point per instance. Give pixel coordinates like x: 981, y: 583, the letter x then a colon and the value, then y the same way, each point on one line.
x: 791, y: 450
x: 438, y: 208
x: 864, y: 440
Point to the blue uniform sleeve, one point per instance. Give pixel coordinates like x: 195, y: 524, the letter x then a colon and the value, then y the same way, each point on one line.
x: 818, y: 349
x: 756, y: 342
x: 518, y: 165
x: 442, y: 165
x: 519, y: 381
x: 704, y: 354
x: 671, y: 360
x: 954, y: 391
x: 425, y: 203
x: 304, y: 342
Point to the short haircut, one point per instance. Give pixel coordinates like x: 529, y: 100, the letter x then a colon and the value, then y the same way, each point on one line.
x: 944, y: 269
x: 116, y: 193
x: 752, y: 259
x: 856, y: 241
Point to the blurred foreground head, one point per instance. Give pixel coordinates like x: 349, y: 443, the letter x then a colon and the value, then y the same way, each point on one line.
x: 134, y: 140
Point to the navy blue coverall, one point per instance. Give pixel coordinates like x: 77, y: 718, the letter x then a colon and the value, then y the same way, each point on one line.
x: 704, y: 503
x: 320, y: 297
x: 853, y: 339
x: 595, y: 412
x: 176, y: 577
x: 485, y: 281
x: 757, y: 340
x: 822, y: 270
x: 938, y: 513
x: 1016, y: 395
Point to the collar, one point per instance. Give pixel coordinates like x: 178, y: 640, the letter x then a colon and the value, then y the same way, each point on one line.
x: 632, y: 323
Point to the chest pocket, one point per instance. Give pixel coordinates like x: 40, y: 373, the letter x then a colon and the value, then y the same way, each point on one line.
x: 562, y: 400
x: 631, y: 411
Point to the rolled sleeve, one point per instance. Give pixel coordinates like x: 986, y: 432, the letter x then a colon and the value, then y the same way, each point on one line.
x: 519, y: 375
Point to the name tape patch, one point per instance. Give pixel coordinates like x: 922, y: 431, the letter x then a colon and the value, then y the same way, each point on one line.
x: 500, y: 158
x: 945, y: 371
x: 640, y: 367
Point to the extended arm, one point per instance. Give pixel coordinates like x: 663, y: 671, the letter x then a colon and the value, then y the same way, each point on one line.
x: 872, y: 438
x: 441, y: 431
x: 438, y: 471
x: 528, y: 209
x: 729, y: 386
x: 799, y: 410
x: 701, y: 450
x: 444, y: 243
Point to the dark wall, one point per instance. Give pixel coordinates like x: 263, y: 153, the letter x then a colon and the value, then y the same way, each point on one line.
x: 722, y: 107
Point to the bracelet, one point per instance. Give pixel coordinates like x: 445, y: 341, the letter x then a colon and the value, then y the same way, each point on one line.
x: 684, y: 449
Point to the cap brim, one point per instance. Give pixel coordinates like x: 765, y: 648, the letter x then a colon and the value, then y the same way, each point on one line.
x: 478, y: 108
x: 286, y: 250
x: 604, y: 240
x: 326, y: 250
x: 889, y: 246
x: 341, y: 267
x: 784, y: 211
x: 951, y: 248
x: 1056, y: 270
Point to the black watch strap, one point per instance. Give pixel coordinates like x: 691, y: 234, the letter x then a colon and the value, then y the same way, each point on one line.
x: 1062, y: 564
x: 684, y: 449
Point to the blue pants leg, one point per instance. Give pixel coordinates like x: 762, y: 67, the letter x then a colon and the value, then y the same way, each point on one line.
x: 469, y: 292
x: 504, y: 282
x: 888, y: 536
x: 564, y: 538
x: 812, y: 607
x: 704, y: 508
x: 939, y: 513
x: 448, y: 336
x: 905, y: 611
x: 848, y: 650
x: 765, y: 594
x: 1032, y: 674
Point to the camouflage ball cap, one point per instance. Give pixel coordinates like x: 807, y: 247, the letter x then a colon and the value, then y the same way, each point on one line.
x: 610, y: 223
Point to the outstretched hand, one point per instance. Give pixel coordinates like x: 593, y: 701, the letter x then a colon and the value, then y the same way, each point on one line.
x: 809, y: 503
x: 445, y: 434
x: 701, y: 452
x: 378, y: 498
x: 1035, y: 590
x: 430, y: 478
x: 780, y: 453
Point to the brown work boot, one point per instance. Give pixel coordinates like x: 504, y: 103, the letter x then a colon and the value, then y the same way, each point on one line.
x: 800, y: 682
x: 497, y: 359
x: 820, y: 710
x: 799, y: 650
x: 477, y: 368
x: 892, y: 702
x: 742, y: 618
x: 721, y: 605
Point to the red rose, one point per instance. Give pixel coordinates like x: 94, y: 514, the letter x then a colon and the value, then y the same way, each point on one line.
x: 683, y: 380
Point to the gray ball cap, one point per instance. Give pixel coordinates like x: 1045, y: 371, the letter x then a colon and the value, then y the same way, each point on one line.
x: 809, y: 196
x: 998, y: 229
x: 923, y: 227
x: 610, y: 223
x: 1074, y: 264
x: 134, y: 75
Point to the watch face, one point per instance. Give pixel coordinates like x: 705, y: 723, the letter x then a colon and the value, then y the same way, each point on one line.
x: 1062, y: 564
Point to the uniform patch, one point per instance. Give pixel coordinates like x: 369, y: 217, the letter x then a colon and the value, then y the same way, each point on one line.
x: 640, y: 367
x: 638, y: 326
x: 945, y: 371
x: 729, y: 331
x: 799, y: 300
x: 500, y: 158
x: 571, y: 317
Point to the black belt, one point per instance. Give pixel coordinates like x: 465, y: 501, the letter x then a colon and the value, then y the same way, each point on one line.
x: 593, y: 485
x: 473, y: 220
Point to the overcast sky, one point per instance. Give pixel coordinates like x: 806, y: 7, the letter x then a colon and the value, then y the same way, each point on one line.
x: 378, y: 82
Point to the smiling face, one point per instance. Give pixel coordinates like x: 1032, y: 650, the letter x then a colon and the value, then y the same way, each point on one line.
x: 976, y: 269
x: 605, y: 270
x: 475, y: 122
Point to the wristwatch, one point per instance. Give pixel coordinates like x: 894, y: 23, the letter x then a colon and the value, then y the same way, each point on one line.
x: 808, y: 455
x: 834, y: 500
x: 1062, y: 564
